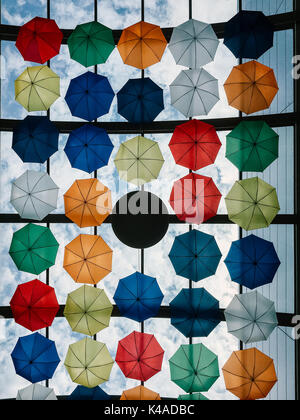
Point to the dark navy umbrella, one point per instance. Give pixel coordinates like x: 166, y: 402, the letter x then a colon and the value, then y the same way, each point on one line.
x: 91, y: 394
x: 138, y: 297
x: 252, y: 262
x: 35, y: 139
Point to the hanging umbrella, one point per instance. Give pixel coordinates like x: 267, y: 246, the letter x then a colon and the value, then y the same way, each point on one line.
x: 192, y: 397
x: 140, y: 393
x: 140, y: 100
x: 35, y: 358
x: 88, y: 363
x: 89, y: 96
x: 37, y: 88
x: 138, y: 297
x: 251, y: 87
x: 88, y: 259
x: 88, y: 202
x: 252, y: 262
x: 252, y: 204
x: 194, y: 368
x: 142, y: 45
x: 252, y: 146
x: 139, y: 356
x: 36, y: 392
x: 81, y: 393
x: 195, y: 144
x: 33, y: 249
x: 139, y: 160
x: 249, y: 374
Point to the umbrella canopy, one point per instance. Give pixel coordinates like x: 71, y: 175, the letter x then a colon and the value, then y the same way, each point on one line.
x: 37, y: 88
x: 36, y: 392
x: 138, y: 297
x: 194, y: 368
x: 33, y: 249
x: 140, y: 100
x: 88, y: 310
x: 249, y: 374
x: 139, y: 160
x: 89, y: 96
x: 140, y: 393
x: 252, y: 262
x: 139, y: 356
x: 142, y: 45
x: 88, y: 202
x: 252, y: 204
x: 88, y: 363
x: 88, y: 259
x: 81, y: 393
x: 34, y: 195
x: 194, y: 92
x: 91, y: 43
x: 193, y: 397
x: 195, y: 144
x: 252, y: 146
x: 34, y: 305
x: 35, y: 358
x: 251, y: 87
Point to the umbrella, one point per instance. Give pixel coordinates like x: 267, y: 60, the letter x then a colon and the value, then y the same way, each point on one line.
x: 195, y: 312
x: 35, y: 358
x: 34, y: 195
x: 194, y: 368
x: 252, y: 204
x: 88, y: 148
x: 81, y: 393
x: 139, y: 356
x: 251, y: 87
x: 33, y: 249
x: 35, y: 139
x: 89, y: 96
x: 249, y: 34
x: 36, y: 392
x: 140, y: 100
x: 88, y: 310
x: 88, y: 259
x: 193, y: 397
x: 88, y: 202
x: 193, y: 44
x: 34, y: 305
x: 142, y: 45
x: 139, y: 160
x: 91, y: 43
x: 138, y: 297
x: 252, y: 146
x: 194, y: 92
x: 252, y: 262
x: 88, y: 363
x: 140, y: 393
x: 37, y: 88
x: 249, y: 374
x: 195, y: 198
x: 195, y: 144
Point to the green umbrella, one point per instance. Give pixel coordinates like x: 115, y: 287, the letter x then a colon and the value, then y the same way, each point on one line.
x: 252, y: 146
x: 252, y: 204
x: 194, y: 368
x: 33, y: 249
x: 192, y: 397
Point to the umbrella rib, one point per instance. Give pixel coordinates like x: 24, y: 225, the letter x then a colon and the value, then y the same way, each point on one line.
x: 182, y: 368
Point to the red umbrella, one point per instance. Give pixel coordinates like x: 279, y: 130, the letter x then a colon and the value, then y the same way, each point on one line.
x: 195, y: 198
x: 139, y: 356
x: 39, y: 40
x: 195, y: 145
x: 34, y: 305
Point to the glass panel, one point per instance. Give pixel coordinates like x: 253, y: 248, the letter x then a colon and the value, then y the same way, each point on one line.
x: 202, y: 10
x: 167, y: 13
x: 269, y: 7
x: 74, y: 14
x: 118, y: 15
x: 20, y: 12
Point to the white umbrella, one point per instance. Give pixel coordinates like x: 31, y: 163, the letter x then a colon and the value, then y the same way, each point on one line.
x: 34, y: 195
x: 36, y: 392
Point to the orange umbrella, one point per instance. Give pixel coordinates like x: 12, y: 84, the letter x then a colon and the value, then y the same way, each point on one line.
x: 88, y: 259
x: 140, y: 393
x: 251, y: 87
x: 249, y: 374
x: 88, y: 202
x: 142, y: 45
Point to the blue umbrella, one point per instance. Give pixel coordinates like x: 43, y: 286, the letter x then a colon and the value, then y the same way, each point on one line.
x: 35, y: 358
x: 91, y: 394
x: 138, y: 297
x: 88, y: 148
x: 89, y: 96
x: 140, y: 101
x: 35, y: 139
x: 195, y: 312
x: 195, y: 255
x: 252, y: 262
